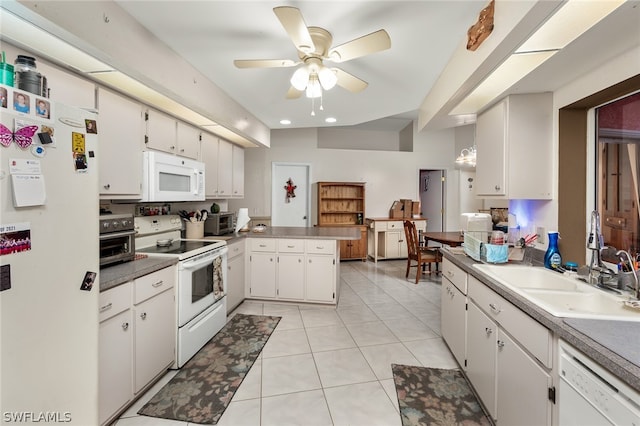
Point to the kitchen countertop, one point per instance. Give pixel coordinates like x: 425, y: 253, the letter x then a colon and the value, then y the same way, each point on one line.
x: 612, y: 344
x: 113, y: 276
x: 315, y: 232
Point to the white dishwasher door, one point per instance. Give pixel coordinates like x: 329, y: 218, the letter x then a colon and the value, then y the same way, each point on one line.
x: 590, y: 395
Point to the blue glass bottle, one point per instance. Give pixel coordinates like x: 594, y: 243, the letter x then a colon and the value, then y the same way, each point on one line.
x: 552, y: 258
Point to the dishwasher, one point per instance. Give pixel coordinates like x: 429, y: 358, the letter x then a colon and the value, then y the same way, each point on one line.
x: 590, y: 395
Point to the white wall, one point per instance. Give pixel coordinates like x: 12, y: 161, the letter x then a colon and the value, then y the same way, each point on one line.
x: 389, y: 175
x: 619, y: 69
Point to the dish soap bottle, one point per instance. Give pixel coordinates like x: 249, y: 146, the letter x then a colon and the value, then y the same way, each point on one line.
x: 552, y: 258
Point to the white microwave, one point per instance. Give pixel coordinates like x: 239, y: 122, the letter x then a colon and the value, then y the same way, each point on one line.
x: 167, y: 177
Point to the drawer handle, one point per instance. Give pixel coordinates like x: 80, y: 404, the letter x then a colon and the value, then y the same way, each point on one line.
x: 262, y: 245
x: 290, y: 246
x: 125, y: 326
x: 158, y: 284
x: 106, y: 307
x: 494, y: 308
x: 450, y: 273
x: 320, y: 247
x: 143, y: 315
x: 488, y: 331
x: 500, y: 344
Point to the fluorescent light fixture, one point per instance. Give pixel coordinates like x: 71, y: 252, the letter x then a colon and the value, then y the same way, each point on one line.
x: 46, y: 45
x: 572, y: 20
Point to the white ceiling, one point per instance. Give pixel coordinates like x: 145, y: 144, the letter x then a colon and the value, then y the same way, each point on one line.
x: 211, y: 34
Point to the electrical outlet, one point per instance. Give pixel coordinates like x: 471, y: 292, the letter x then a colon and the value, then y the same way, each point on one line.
x: 542, y: 235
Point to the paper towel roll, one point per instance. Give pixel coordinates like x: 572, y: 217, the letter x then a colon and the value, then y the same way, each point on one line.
x: 243, y: 219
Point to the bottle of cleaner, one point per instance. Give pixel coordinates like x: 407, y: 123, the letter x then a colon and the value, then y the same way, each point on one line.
x: 552, y: 258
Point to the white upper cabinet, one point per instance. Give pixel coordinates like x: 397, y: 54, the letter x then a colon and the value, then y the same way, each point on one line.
x: 188, y: 138
x: 224, y: 162
x: 238, y: 172
x: 120, y: 129
x: 161, y: 132
x: 514, y: 148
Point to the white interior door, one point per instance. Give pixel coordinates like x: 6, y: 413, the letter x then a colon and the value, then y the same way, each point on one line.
x: 290, y: 210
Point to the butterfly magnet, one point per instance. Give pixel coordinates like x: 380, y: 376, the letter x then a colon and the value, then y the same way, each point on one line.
x: 23, y: 136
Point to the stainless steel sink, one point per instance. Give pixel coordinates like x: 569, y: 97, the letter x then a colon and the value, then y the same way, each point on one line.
x: 560, y: 295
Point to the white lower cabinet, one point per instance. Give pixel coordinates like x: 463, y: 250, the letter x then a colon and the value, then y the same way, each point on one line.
x: 137, y: 337
x: 482, y: 337
x: 453, y: 309
x: 116, y: 366
x: 292, y: 269
x: 154, y: 336
x: 235, y: 275
x: 512, y: 377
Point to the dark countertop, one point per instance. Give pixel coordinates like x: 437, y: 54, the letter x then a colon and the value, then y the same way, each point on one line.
x: 612, y: 344
x: 315, y: 232
x: 113, y: 276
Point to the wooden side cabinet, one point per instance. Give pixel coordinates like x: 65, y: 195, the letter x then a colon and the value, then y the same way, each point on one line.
x: 355, y: 249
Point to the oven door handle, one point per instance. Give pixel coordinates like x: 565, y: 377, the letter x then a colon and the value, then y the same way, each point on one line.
x: 117, y: 234
x: 198, y: 263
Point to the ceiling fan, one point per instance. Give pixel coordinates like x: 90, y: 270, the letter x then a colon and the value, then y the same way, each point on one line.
x: 314, y: 46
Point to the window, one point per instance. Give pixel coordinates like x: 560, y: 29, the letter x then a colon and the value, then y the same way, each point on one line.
x: 618, y: 177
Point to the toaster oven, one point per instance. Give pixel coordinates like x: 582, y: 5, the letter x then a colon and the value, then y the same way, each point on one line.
x: 219, y: 224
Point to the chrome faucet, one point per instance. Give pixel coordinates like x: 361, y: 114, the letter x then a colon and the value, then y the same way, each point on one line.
x: 599, y: 274
x: 635, y: 277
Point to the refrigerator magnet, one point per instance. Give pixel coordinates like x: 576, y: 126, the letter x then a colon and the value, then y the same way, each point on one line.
x: 87, y: 282
x: 38, y: 151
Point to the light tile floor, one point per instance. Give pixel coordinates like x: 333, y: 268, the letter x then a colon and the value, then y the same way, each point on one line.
x: 332, y: 366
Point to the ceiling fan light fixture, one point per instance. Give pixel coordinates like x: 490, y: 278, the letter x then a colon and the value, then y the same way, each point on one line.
x: 314, y: 90
x: 328, y: 78
x: 300, y: 78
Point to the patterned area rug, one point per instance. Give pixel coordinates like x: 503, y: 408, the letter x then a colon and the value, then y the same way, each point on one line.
x: 434, y: 396
x: 202, y: 389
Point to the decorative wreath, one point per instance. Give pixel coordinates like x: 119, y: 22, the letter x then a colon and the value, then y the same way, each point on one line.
x: 290, y: 188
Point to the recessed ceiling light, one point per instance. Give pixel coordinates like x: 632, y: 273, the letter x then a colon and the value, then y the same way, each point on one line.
x: 285, y: 122
x: 330, y: 120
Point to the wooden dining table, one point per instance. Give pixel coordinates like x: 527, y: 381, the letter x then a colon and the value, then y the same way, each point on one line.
x: 452, y: 239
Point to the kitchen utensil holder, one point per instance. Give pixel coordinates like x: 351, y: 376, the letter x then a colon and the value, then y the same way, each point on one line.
x: 195, y: 230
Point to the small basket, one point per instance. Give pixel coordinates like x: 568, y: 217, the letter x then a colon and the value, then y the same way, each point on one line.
x: 484, y: 252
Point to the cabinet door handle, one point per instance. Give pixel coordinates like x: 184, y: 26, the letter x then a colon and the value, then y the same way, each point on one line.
x: 107, y: 186
x: 157, y: 284
x: 488, y: 331
x: 450, y: 274
x: 494, y: 308
x: 500, y: 344
x: 106, y: 307
x: 172, y: 147
x: 143, y: 315
x: 125, y: 326
x: 497, y: 187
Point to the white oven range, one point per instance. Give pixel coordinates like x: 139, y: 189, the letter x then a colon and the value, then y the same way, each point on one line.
x: 201, y: 289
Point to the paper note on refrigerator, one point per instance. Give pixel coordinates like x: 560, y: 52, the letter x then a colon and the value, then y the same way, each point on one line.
x: 28, y: 190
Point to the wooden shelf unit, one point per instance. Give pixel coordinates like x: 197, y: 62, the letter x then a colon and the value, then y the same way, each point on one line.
x: 342, y: 204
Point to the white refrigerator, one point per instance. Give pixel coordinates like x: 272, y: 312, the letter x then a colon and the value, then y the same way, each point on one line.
x: 49, y: 262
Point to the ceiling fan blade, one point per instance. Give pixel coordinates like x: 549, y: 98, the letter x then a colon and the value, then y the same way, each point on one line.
x: 365, y: 45
x: 294, y: 93
x: 264, y: 63
x: 349, y: 81
x: 293, y: 22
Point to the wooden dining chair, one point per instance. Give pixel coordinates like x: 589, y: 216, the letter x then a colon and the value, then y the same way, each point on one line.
x: 418, y: 253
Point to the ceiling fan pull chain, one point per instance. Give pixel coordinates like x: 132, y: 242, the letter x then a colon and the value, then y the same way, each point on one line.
x: 313, y: 107
x: 321, y: 107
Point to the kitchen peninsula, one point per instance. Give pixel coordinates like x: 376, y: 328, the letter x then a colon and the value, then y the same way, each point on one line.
x: 295, y: 264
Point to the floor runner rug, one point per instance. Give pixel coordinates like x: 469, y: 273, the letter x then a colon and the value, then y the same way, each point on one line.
x: 202, y: 389
x: 434, y: 396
